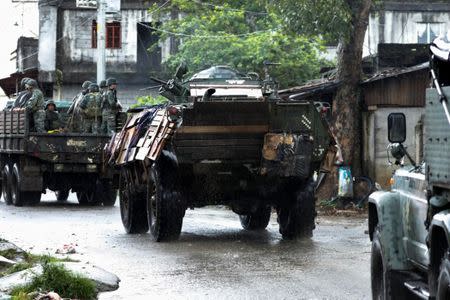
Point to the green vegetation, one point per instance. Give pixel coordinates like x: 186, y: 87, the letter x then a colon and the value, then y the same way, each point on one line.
x: 149, y: 101
x: 55, y: 277
x: 241, y: 34
x: 29, y: 261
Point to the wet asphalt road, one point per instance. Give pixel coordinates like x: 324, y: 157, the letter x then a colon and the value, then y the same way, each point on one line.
x: 214, y: 258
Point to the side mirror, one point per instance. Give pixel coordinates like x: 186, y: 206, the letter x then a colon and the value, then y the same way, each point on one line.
x: 396, y: 128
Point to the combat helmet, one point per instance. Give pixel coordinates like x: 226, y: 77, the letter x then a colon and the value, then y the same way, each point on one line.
x: 23, y: 82
x: 93, y: 87
x: 31, y: 83
x: 86, y: 84
x: 103, y: 84
x: 50, y: 102
x: 111, y: 81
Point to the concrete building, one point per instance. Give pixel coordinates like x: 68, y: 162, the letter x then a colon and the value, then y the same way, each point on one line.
x: 68, y: 47
x: 406, y: 22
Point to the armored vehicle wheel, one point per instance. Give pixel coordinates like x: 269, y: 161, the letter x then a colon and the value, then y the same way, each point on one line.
x: 165, y: 205
x: 443, y: 289
x: 105, y: 193
x: 133, y: 209
x: 62, y: 196
x: 6, y: 182
x: 258, y: 220
x: 296, y: 218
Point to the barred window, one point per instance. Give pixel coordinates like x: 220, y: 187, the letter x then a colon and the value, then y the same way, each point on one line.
x: 113, y: 35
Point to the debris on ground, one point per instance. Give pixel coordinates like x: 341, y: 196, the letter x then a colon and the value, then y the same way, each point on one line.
x: 67, y: 249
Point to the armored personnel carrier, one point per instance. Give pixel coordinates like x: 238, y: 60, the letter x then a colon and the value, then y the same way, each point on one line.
x: 224, y: 138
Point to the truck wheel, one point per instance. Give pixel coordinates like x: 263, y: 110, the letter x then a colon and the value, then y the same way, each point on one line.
x: 105, y: 193
x: 18, y: 197
x: 384, y: 284
x: 133, y: 209
x: 258, y: 220
x: 62, y: 196
x: 165, y: 205
x: 297, y: 218
x: 443, y: 289
x: 6, y: 182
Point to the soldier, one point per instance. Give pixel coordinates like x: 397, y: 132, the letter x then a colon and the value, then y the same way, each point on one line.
x: 52, y: 120
x: 74, y: 123
x: 23, y: 96
x: 90, y: 110
x: 35, y: 105
x: 110, y: 107
x: 103, y: 87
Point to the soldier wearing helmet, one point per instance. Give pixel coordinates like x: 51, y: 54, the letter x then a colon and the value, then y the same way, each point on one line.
x: 35, y: 105
x: 23, y: 96
x: 110, y: 107
x: 52, y: 119
x: 103, y: 87
x: 74, y: 123
x: 90, y: 109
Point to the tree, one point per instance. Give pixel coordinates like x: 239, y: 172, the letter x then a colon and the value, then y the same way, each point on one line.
x: 346, y: 21
x: 241, y: 34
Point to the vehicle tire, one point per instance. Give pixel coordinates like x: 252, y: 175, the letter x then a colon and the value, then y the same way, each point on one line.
x: 297, y: 218
x: 133, y: 209
x: 384, y: 284
x: 6, y: 182
x: 17, y: 196
x: 258, y: 220
x: 443, y: 289
x: 105, y: 193
x: 62, y: 195
x: 165, y: 204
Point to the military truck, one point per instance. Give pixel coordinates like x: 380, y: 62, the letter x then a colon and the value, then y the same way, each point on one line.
x: 33, y: 162
x: 224, y: 138
x: 409, y: 226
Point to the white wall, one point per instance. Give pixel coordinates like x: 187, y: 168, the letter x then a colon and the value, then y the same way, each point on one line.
x: 401, y: 27
x: 375, y: 140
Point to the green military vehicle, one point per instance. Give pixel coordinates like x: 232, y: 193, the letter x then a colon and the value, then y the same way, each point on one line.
x: 225, y: 138
x: 33, y: 162
x: 410, y: 225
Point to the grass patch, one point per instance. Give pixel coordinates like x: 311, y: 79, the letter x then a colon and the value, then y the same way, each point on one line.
x: 9, y: 253
x: 30, y: 260
x: 55, y: 277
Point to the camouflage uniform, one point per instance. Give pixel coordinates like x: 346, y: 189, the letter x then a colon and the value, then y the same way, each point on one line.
x: 90, y: 110
x: 52, y: 119
x: 35, y: 106
x: 110, y: 107
x: 75, y: 118
x: 23, y: 96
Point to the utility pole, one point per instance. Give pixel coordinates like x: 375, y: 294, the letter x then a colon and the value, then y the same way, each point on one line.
x: 101, y: 33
